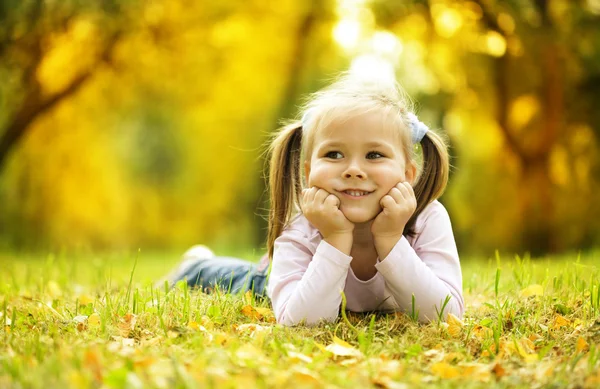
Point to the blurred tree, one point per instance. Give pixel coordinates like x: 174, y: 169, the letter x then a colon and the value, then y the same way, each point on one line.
x: 28, y: 27
x: 505, y: 74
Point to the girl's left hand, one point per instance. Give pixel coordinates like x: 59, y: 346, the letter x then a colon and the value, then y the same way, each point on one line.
x: 398, y: 206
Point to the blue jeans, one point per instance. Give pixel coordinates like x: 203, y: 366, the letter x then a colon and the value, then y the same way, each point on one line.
x: 231, y: 275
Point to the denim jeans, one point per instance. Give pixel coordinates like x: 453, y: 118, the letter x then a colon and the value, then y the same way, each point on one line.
x: 231, y: 275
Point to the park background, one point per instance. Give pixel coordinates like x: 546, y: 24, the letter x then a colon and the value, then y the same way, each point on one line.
x: 130, y: 124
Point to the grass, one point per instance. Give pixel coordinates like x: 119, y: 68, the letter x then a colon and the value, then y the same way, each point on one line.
x: 96, y: 322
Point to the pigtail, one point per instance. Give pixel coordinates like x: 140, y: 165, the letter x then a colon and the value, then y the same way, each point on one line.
x: 285, y: 182
x: 434, y: 175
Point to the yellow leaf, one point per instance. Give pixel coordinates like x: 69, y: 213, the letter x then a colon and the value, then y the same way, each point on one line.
x: 94, y: 320
x: 532, y: 290
x: 582, y: 345
x: 267, y: 314
x: 455, y: 325
x: 250, y: 312
x: 444, y: 370
x: 340, y: 348
x: 560, y: 321
x: 295, y: 357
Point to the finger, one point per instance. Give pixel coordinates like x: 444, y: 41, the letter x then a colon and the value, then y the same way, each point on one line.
x: 332, y: 200
x: 409, y: 188
x: 387, y: 202
x: 397, y: 195
x: 321, y: 195
x: 310, y: 196
x: 406, y: 190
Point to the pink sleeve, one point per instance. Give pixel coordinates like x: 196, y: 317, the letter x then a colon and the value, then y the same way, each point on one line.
x: 430, y: 269
x: 304, y: 287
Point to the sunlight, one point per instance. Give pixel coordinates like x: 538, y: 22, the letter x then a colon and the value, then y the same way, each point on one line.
x: 495, y: 44
x: 346, y: 33
x: 386, y: 43
x: 373, y: 67
x: 447, y: 20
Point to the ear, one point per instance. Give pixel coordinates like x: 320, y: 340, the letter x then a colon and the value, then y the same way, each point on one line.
x: 410, y: 174
x: 306, y: 171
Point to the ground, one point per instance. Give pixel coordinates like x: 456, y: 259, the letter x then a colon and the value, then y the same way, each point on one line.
x: 95, y: 321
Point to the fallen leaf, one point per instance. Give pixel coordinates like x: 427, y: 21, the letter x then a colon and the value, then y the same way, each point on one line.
x: 250, y: 312
x: 444, y: 370
x: 560, y: 321
x: 94, y: 320
x: 91, y: 360
x: 582, y: 345
x: 251, y: 329
x: 340, y: 348
x: 532, y: 290
x: 295, y: 357
x: 455, y: 325
x: 498, y: 370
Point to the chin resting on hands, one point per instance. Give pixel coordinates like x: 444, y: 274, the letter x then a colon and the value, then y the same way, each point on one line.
x: 321, y: 208
x: 397, y: 207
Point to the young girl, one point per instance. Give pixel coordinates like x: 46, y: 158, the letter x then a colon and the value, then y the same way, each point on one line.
x: 350, y: 212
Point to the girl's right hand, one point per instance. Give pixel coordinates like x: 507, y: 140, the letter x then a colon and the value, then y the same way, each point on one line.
x: 321, y: 208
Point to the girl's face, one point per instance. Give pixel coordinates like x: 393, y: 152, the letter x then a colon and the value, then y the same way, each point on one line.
x: 358, y: 160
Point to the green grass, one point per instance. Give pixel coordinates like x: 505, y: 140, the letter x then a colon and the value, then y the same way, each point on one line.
x: 95, y: 321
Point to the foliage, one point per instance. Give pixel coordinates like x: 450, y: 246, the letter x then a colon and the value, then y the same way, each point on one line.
x: 141, y: 123
x: 527, y: 323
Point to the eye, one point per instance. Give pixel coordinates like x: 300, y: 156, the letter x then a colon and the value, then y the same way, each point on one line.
x: 334, y: 155
x: 374, y: 155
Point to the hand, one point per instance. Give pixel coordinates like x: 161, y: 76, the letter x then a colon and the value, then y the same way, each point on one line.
x: 398, y: 206
x: 321, y: 208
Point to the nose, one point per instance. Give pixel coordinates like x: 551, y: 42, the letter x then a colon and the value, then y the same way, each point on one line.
x: 354, y: 170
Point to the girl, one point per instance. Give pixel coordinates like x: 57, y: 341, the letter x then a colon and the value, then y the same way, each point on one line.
x: 350, y: 212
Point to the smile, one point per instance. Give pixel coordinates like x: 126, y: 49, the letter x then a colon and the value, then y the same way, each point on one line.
x: 355, y: 193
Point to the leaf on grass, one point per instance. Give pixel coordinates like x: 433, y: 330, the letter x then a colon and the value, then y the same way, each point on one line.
x: 455, y: 325
x: 250, y: 312
x: 92, y: 361
x: 532, y: 290
x: 444, y: 370
x: 303, y: 378
x: 298, y: 357
x: 476, y: 371
x: 482, y: 332
x: 94, y: 320
x: 340, y: 348
x: 388, y: 383
x: 127, y: 324
x: 498, y: 370
x: 560, y: 321
x: 582, y: 345
x: 251, y: 329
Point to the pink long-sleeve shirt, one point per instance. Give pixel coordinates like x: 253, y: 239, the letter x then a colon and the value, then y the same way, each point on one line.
x: 308, y: 274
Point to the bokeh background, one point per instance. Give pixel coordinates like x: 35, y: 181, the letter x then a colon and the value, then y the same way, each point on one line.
x: 130, y: 124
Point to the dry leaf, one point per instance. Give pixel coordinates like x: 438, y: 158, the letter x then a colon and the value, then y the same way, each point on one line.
x: 444, y: 370
x: 532, y: 290
x: 582, y: 345
x: 340, y: 348
x: 455, y: 325
x: 560, y: 321
x: 250, y: 312
x: 250, y: 329
x: 296, y: 357
x: 94, y: 320
x: 498, y: 370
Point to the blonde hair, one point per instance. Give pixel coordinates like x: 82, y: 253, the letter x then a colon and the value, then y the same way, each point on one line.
x: 344, y: 98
